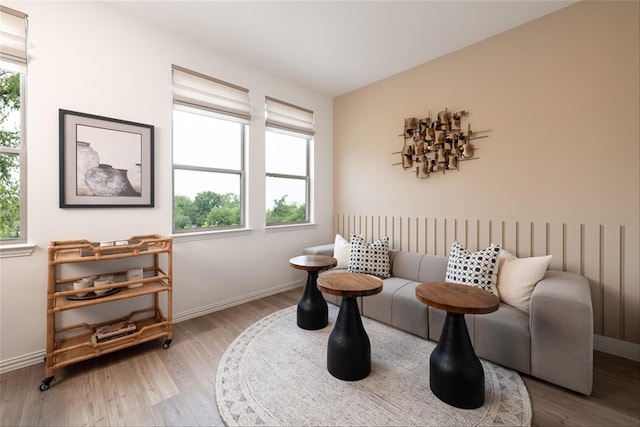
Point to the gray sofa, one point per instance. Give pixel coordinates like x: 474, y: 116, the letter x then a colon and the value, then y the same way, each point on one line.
x: 554, y: 342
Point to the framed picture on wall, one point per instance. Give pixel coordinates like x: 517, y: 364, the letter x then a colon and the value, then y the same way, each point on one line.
x: 104, y: 162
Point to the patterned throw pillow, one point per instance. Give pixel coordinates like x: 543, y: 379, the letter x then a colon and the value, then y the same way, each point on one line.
x: 369, y: 258
x: 479, y: 269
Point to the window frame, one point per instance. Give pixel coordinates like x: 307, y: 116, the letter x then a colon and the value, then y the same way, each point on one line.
x: 21, y: 152
x: 307, y: 178
x: 244, y: 132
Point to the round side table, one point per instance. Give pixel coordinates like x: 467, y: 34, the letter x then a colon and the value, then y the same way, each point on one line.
x: 312, y: 309
x: 457, y: 377
x: 349, y: 349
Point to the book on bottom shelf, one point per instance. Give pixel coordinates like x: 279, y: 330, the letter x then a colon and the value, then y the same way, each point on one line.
x: 113, y: 331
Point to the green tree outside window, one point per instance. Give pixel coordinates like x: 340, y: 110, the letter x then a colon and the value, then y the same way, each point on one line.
x: 210, y: 209
x: 9, y: 159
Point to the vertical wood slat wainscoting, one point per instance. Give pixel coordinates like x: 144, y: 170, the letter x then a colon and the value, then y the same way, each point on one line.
x: 605, y: 254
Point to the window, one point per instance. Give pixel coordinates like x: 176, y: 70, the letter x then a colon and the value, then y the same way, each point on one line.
x: 287, y: 181
x: 287, y: 154
x: 210, y: 130
x: 13, y: 173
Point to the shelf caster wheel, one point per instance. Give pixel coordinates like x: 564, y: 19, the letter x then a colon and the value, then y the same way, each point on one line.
x: 45, y: 383
x: 166, y: 344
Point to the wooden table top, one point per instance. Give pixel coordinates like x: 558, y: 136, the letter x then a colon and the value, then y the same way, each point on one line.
x: 350, y: 284
x: 457, y: 298
x: 313, y: 262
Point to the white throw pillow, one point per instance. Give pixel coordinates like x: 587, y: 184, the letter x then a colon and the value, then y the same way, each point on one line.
x: 518, y: 276
x: 341, y: 249
x: 369, y: 258
x: 479, y: 269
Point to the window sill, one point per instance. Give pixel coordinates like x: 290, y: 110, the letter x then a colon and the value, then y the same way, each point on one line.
x: 288, y: 227
x: 208, y: 235
x: 16, y: 250
x: 221, y: 234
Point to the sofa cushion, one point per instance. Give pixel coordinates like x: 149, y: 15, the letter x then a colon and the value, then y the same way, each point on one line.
x: 433, y: 268
x: 518, y: 276
x: 369, y: 258
x: 409, y: 314
x: 504, y: 337
x: 378, y: 306
x: 407, y: 265
x: 479, y: 269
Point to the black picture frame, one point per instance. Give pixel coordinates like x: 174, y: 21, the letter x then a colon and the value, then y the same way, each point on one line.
x: 105, y: 162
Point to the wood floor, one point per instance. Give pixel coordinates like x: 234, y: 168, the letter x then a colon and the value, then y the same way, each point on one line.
x: 146, y: 385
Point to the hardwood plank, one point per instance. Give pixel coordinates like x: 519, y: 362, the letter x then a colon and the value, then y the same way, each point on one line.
x: 146, y: 385
x: 614, y: 401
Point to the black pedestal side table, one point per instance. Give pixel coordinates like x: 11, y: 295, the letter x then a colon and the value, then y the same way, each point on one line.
x: 349, y: 348
x: 456, y: 374
x: 312, y: 308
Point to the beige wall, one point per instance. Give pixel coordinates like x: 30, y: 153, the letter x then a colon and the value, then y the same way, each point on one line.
x: 561, y: 95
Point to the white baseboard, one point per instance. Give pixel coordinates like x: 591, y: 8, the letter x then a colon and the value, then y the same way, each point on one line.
x: 22, y: 361
x: 201, y: 311
x: 625, y: 349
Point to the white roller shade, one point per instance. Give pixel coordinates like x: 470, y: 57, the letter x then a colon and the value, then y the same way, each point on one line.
x: 282, y: 115
x: 13, y: 40
x: 198, y: 90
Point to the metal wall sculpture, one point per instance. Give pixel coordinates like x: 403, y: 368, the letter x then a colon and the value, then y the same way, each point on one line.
x: 437, y: 144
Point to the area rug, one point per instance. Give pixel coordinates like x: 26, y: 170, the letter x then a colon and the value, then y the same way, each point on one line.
x: 275, y: 373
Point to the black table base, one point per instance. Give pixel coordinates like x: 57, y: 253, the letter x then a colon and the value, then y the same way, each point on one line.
x: 312, y: 309
x: 457, y: 377
x: 349, y: 349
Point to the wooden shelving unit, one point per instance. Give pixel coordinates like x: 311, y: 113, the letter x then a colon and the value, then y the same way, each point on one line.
x: 67, y: 345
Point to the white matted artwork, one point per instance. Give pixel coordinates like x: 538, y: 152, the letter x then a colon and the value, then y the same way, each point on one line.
x: 105, y: 162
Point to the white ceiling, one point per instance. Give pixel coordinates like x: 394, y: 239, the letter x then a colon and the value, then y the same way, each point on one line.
x: 335, y: 47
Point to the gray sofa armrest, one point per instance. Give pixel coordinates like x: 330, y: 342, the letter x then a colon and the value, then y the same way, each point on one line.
x: 561, y: 324
x: 319, y: 250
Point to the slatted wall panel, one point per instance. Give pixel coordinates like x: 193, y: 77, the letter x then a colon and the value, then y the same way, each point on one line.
x: 608, y: 255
